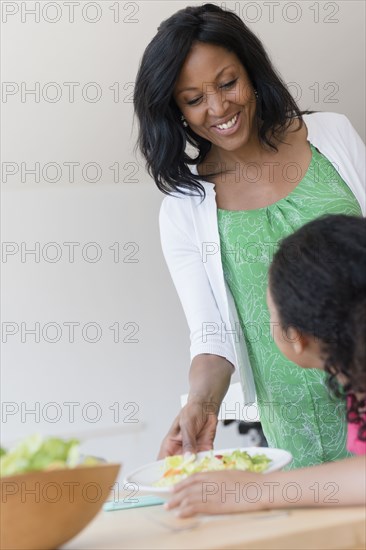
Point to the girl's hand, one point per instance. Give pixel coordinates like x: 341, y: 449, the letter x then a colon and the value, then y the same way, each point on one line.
x: 222, y: 492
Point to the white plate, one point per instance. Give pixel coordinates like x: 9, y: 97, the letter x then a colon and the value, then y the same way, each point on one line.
x: 146, y: 476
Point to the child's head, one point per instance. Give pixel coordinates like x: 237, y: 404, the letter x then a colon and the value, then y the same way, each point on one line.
x: 317, y: 294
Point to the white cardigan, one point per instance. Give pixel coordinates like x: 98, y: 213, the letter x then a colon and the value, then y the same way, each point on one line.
x: 191, y: 247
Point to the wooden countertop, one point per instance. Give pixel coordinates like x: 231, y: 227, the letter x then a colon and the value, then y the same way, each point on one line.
x: 155, y: 528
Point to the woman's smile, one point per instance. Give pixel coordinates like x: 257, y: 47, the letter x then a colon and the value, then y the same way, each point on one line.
x: 230, y: 127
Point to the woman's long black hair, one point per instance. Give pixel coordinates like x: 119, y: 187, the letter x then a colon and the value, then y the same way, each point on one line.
x: 318, y: 283
x: 162, y: 137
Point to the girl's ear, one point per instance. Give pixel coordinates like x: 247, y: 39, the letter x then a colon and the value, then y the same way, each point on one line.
x: 297, y: 340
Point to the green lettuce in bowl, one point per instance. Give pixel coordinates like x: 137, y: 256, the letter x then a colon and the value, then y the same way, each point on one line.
x: 36, y: 453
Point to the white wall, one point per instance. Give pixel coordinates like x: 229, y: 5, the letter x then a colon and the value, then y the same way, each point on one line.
x: 325, y: 56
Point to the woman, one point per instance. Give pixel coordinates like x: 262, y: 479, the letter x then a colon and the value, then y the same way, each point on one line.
x: 317, y: 302
x: 263, y: 169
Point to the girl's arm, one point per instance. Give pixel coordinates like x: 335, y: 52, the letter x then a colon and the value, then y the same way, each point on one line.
x: 340, y: 483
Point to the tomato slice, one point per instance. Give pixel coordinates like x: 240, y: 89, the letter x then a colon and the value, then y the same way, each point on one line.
x: 219, y: 456
x: 171, y: 472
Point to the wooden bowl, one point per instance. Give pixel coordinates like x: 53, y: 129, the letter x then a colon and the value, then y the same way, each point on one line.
x: 43, y: 510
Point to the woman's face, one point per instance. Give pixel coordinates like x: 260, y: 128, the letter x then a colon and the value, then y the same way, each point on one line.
x: 212, y: 89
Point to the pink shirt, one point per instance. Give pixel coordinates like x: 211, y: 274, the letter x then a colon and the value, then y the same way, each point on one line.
x: 355, y: 445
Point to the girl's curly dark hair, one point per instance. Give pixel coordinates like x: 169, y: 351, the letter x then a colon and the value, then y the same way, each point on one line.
x: 162, y: 138
x: 318, y: 283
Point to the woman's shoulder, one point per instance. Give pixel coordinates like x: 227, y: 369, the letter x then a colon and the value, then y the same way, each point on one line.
x: 325, y: 116
x: 180, y: 208
x: 181, y: 198
x: 326, y: 121
x: 335, y: 131
x: 332, y: 131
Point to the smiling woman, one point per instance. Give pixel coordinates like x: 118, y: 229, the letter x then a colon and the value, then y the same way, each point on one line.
x: 204, y: 106
x: 263, y: 169
x: 196, y: 53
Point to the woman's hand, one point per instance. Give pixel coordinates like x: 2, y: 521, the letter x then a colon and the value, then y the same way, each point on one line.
x: 193, y: 430
x: 217, y: 493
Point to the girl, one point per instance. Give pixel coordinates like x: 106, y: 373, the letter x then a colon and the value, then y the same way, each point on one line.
x: 317, y: 302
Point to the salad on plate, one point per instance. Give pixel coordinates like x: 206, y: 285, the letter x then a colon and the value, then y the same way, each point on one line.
x: 176, y: 468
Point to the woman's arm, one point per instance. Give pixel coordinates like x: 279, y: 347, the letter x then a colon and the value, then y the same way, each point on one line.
x: 194, y: 428
x: 209, y: 379
x: 184, y: 257
x: 213, y: 362
x: 341, y: 483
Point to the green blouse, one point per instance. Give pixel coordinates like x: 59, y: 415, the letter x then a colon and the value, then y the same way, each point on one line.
x: 296, y: 408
